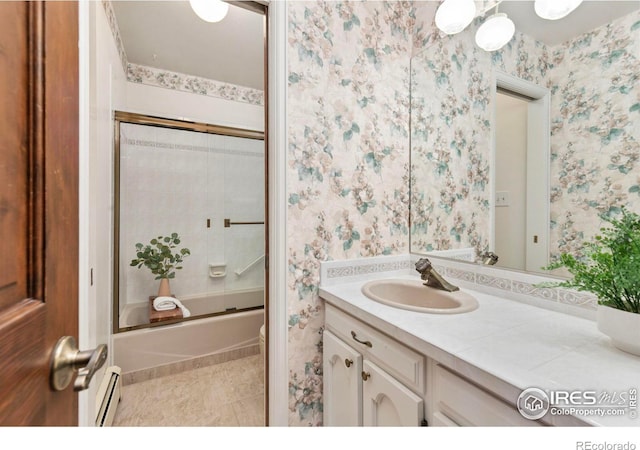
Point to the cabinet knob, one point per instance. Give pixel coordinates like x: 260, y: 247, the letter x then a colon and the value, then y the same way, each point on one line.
x: 365, y: 375
x: 348, y: 362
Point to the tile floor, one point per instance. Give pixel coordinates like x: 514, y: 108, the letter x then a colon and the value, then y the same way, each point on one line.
x: 227, y: 394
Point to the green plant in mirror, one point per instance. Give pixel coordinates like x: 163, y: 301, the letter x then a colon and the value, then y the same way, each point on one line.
x: 160, y: 257
x: 610, y: 268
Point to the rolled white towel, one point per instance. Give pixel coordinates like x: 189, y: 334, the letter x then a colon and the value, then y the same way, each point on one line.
x: 166, y: 303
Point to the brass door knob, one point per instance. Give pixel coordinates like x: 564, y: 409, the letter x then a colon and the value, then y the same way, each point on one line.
x: 365, y: 375
x: 67, y: 359
x: 348, y: 362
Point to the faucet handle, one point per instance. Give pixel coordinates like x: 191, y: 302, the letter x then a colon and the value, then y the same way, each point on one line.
x: 489, y: 258
x: 423, y: 265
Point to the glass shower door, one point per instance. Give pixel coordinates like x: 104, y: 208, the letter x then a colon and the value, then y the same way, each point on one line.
x: 202, y: 193
x: 244, y: 201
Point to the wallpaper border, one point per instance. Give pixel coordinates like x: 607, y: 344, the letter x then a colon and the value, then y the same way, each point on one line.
x: 151, y: 76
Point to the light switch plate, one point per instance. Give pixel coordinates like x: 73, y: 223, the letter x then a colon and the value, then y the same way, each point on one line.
x: 502, y: 198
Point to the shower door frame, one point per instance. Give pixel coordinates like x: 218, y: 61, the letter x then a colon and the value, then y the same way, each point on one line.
x: 200, y: 127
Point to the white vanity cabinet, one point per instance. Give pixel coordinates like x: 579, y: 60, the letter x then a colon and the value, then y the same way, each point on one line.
x: 369, y: 379
x: 458, y: 402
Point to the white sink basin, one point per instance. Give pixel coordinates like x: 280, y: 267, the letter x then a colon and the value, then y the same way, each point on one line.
x: 415, y: 296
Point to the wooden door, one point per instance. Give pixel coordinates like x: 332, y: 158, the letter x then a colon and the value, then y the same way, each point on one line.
x: 386, y: 402
x: 342, y: 383
x: 38, y: 206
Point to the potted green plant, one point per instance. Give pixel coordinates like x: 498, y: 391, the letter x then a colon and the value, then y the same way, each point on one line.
x: 610, y: 269
x: 161, y: 259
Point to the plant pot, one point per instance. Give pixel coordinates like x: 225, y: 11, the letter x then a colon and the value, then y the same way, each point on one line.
x: 622, y: 327
x: 164, y: 290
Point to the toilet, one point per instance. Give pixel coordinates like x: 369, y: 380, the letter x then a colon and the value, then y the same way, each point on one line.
x: 262, y: 340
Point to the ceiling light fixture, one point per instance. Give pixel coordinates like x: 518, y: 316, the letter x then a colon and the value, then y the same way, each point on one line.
x: 495, y: 32
x: 453, y: 16
x: 210, y: 10
x: 555, y: 9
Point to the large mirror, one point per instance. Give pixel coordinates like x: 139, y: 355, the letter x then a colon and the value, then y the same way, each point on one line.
x: 521, y: 151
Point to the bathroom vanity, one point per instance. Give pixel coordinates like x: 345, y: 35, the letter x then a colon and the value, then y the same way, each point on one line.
x: 371, y: 379
x: 384, y: 365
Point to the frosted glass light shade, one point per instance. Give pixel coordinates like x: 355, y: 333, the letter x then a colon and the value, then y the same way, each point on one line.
x: 495, y: 32
x: 210, y: 10
x: 555, y: 9
x: 453, y: 16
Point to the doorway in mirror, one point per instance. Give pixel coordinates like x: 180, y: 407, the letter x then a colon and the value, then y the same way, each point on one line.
x: 520, y: 213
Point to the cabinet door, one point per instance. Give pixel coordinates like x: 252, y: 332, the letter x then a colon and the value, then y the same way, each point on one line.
x: 386, y: 402
x: 458, y: 402
x: 342, y: 367
x: 440, y: 420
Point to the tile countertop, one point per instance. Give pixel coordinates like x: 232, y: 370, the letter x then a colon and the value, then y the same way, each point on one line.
x: 506, y: 346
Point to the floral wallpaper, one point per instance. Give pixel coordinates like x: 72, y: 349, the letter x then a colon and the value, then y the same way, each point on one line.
x: 594, y: 133
x: 451, y: 120
x: 348, y: 154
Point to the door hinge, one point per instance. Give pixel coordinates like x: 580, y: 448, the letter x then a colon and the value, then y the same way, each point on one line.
x: 424, y: 423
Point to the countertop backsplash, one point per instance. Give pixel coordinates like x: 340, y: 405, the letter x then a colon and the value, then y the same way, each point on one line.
x: 509, y: 284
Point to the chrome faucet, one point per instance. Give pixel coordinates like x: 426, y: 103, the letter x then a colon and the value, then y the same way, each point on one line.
x: 489, y: 258
x: 433, y: 278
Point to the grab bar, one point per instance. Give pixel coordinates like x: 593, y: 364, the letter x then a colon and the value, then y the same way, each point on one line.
x: 228, y: 223
x: 253, y: 263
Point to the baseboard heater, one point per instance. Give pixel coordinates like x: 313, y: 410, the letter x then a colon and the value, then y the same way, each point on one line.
x: 108, y: 397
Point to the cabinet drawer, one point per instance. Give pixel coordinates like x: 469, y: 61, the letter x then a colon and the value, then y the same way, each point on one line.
x: 465, y: 404
x: 399, y: 361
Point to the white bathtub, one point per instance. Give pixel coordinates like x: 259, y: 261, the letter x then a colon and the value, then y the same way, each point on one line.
x: 152, y: 347
x: 198, y: 305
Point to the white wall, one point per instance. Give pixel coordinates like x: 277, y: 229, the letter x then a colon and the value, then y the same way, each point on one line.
x: 163, y: 102
x: 104, y: 92
x: 511, y: 177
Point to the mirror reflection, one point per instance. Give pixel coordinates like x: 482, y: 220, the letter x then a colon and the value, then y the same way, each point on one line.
x: 520, y: 151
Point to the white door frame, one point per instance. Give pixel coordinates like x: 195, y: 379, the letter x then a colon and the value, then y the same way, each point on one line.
x: 538, y: 119
x: 277, y: 339
x: 87, y: 335
x: 277, y: 336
